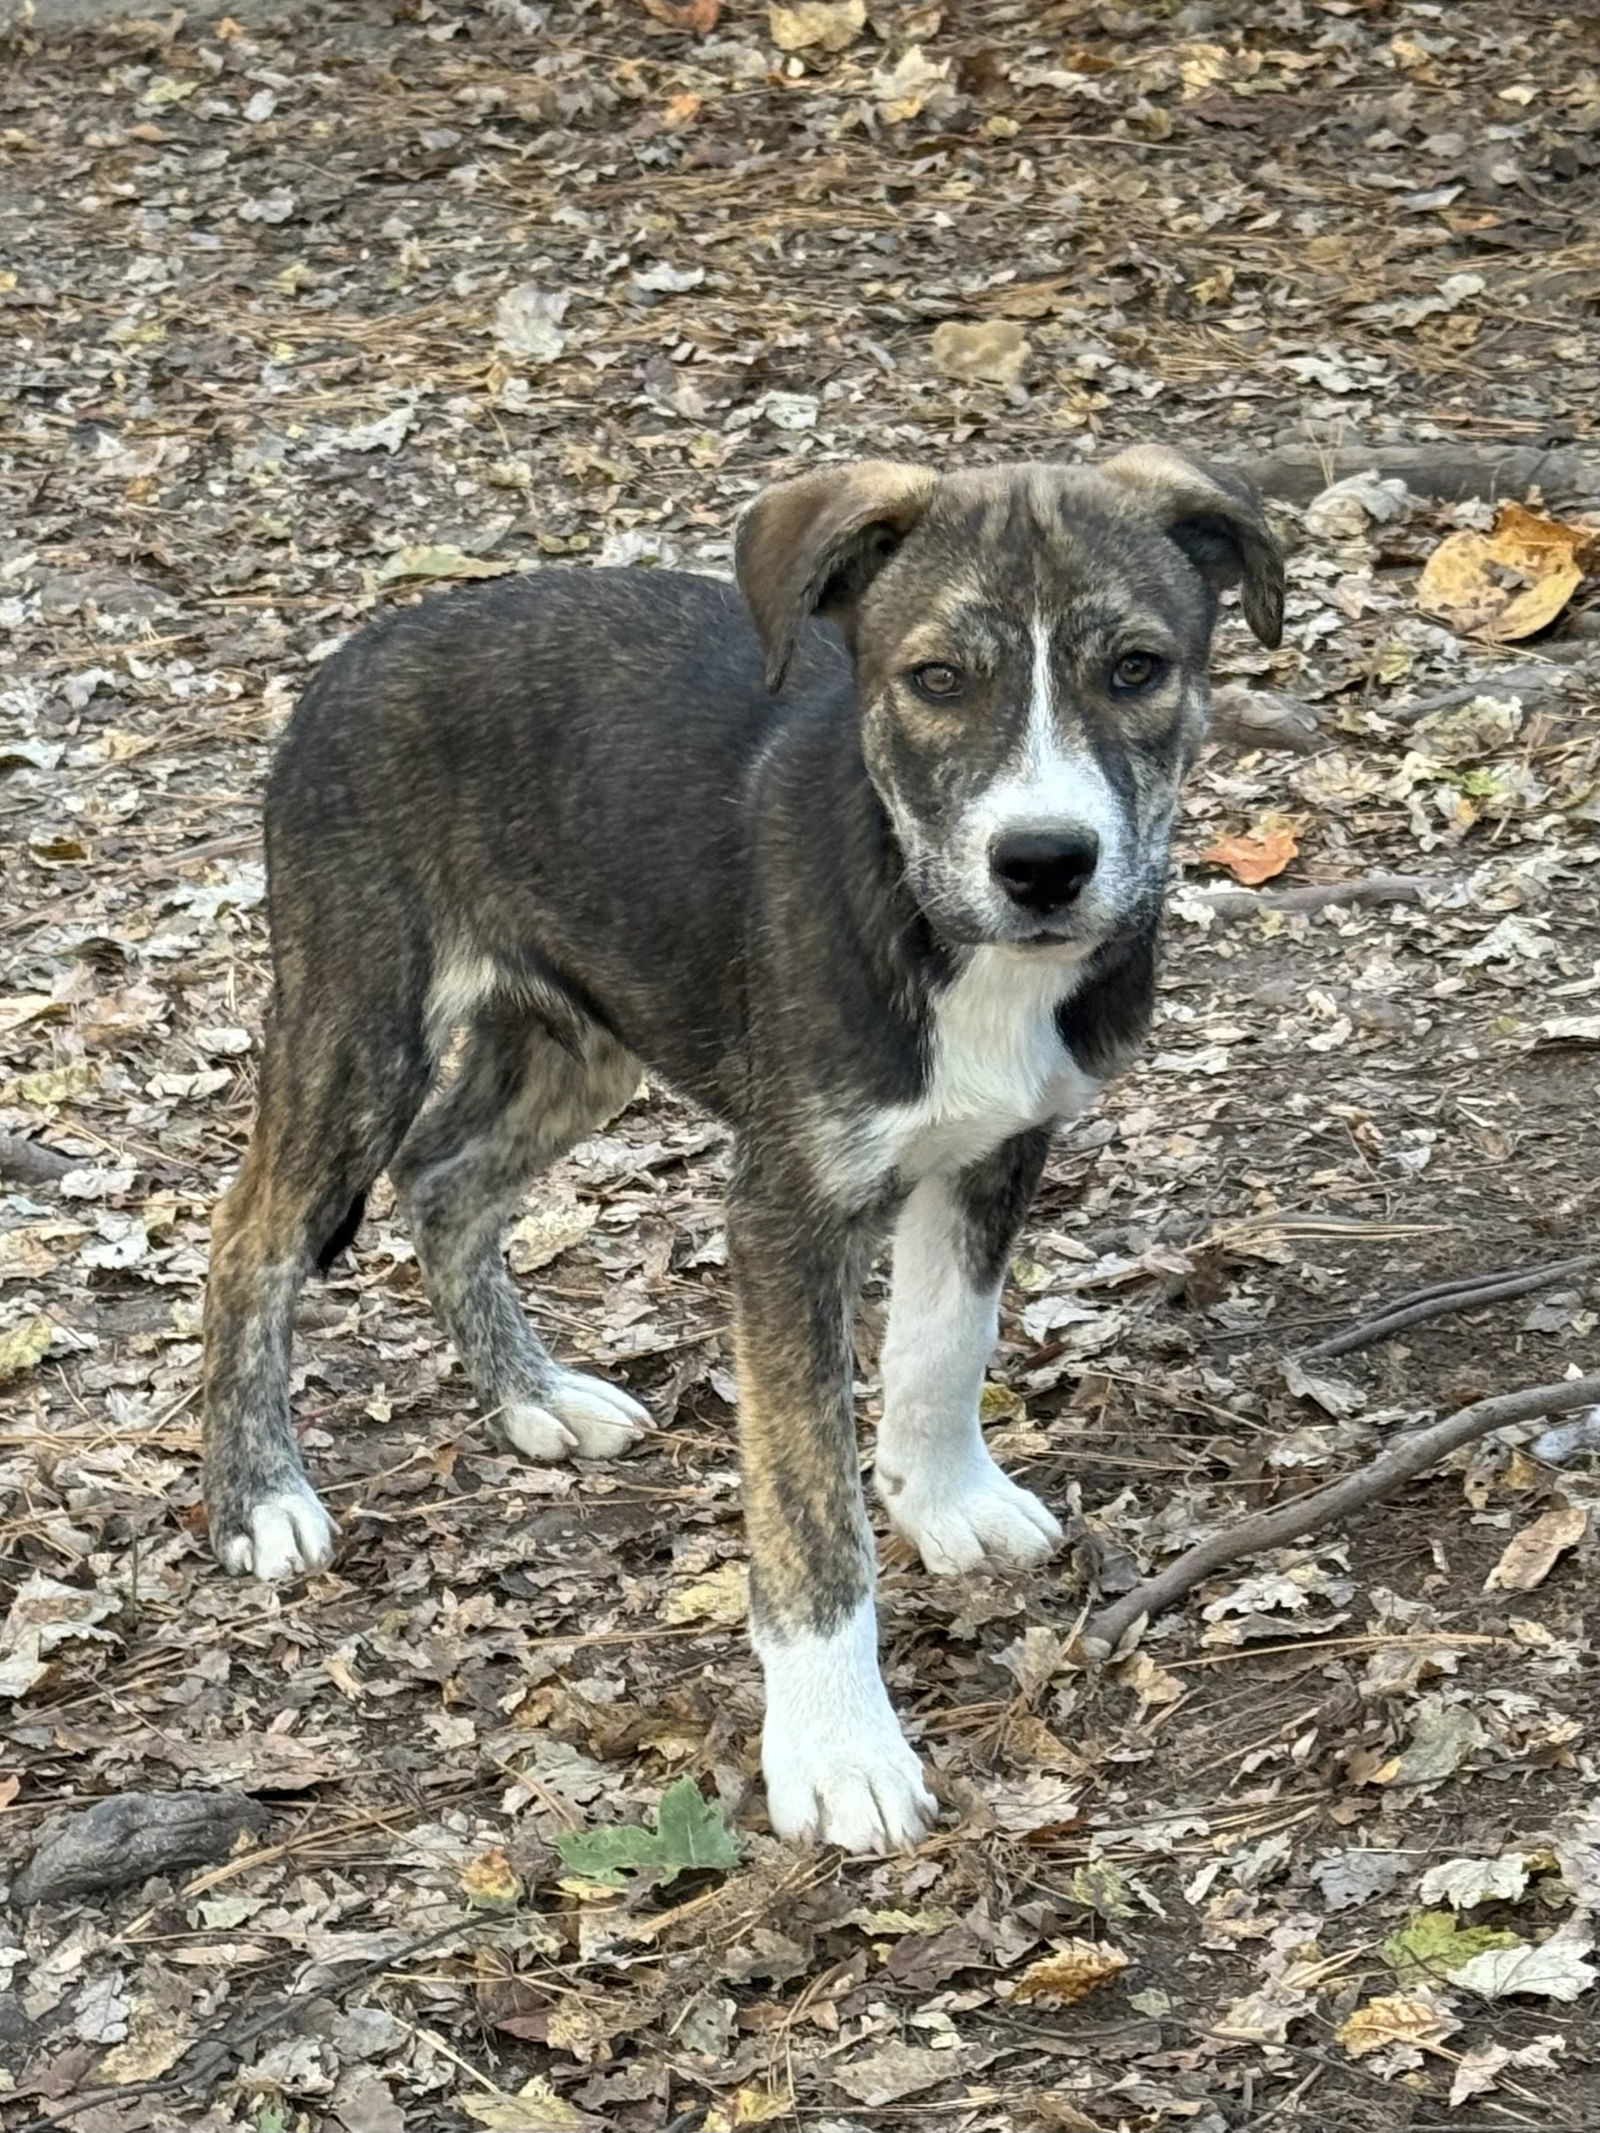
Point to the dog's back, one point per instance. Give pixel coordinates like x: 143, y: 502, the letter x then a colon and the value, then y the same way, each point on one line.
x: 519, y: 780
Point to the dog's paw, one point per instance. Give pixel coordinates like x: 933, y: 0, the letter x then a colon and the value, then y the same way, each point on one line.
x: 579, y: 1418
x: 859, y: 1787
x: 282, y: 1535
x: 975, y: 1518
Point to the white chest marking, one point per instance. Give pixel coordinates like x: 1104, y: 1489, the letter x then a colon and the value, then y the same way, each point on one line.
x: 997, y: 1067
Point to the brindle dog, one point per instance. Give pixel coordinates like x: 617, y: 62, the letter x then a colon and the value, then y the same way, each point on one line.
x: 870, y: 867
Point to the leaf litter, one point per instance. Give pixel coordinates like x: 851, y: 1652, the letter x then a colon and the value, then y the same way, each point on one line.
x: 302, y: 319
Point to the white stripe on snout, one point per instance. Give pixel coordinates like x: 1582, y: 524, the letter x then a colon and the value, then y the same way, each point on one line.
x: 1046, y: 786
x: 1042, y: 703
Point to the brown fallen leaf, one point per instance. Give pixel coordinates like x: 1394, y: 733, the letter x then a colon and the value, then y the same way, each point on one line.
x: 1072, y: 1972
x: 1530, y: 1555
x: 832, y: 24
x: 994, y: 352
x: 1396, y: 2018
x: 1257, y: 854
x: 697, y: 18
x: 1511, y: 582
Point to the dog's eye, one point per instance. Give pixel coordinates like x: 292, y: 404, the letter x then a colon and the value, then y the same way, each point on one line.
x: 1137, y: 670
x: 938, y: 681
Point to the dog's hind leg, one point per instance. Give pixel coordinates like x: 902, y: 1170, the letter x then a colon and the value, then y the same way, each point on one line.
x: 935, y: 1475
x: 522, y: 1098
x: 336, y: 1097
x: 838, y: 1768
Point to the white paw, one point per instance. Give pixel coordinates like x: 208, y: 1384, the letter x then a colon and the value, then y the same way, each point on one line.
x: 288, y: 1534
x: 858, y: 1787
x: 975, y: 1518
x: 580, y: 1418
x: 838, y: 1768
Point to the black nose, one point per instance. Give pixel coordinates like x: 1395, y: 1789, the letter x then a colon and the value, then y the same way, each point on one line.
x: 1044, y: 870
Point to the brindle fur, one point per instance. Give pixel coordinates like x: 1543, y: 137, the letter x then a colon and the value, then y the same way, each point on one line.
x: 565, y: 811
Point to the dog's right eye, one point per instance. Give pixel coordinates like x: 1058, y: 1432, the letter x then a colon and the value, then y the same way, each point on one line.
x: 938, y: 681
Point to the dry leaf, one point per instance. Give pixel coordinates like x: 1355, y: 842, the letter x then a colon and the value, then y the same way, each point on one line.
x: 832, y: 24
x: 883, y: 2077
x: 1072, y: 1972
x: 535, y: 2108
x: 1509, y: 583
x: 994, y: 352
x: 1396, y: 2018
x: 750, y: 2107
x: 491, y: 1882
x: 1258, y: 854
x: 24, y: 1345
x: 723, y: 1596
x: 1530, y: 1555
x: 157, y: 2039
x: 1555, y: 1970
x: 696, y: 18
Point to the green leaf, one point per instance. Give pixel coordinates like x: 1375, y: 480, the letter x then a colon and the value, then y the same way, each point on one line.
x: 609, y: 1855
x: 1433, y: 1945
x: 691, y: 1832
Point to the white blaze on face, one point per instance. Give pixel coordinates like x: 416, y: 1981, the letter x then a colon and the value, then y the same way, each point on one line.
x: 1045, y: 786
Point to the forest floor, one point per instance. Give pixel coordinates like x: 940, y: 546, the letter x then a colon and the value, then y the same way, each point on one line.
x: 303, y: 314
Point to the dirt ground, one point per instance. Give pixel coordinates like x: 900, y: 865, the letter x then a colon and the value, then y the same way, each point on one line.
x: 298, y: 319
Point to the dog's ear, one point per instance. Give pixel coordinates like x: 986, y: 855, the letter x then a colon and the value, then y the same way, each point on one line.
x: 1215, y: 516
x: 812, y: 546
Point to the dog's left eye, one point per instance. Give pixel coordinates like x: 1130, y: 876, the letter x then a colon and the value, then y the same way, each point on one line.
x: 938, y: 681
x: 1137, y: 670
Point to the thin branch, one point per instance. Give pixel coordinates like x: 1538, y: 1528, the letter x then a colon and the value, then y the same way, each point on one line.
x: 1450, y: 1296
x: 1370, y: 1484
x: 1321, y: 895
x: 1443, y: 469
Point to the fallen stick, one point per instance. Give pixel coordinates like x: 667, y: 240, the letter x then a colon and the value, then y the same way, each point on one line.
x: 1446, y: 1297
x: 1321, y: 895
x: 1445, y: 470
x: 1104, y: 1632
x: 24, y: 1162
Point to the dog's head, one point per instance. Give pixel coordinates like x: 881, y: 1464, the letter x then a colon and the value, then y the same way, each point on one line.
x: 1031, y: 648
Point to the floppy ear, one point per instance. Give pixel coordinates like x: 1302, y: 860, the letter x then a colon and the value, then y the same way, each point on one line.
x: 1215, y: 516
x: 812, y: 546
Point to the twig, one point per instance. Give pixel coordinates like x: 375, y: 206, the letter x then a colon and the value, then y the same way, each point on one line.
x: 1321, y: 895
x: 1451, y: 471
x: 1322, y: 1507
x: 1450, y: 1296
x: 24, y: 1162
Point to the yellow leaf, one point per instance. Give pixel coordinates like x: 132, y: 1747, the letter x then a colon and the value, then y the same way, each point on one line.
x: 491, y: 1882
x: 724, y: 1596
x: 1076, y: 1969
x: 832, y: 24
x: 1510, y: 583
x: 1530, y: 1555
x: 994, y: 352
x: 535, y: 2108
x: 1256, y: 854
x: 1396, y: 2018
x: 23, y: 1346
x: 751, y: 2107
x: 155, y: 2041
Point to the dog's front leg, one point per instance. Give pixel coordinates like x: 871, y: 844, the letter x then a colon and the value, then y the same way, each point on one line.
x: 939, y: 1483
x: 837, y: 1767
